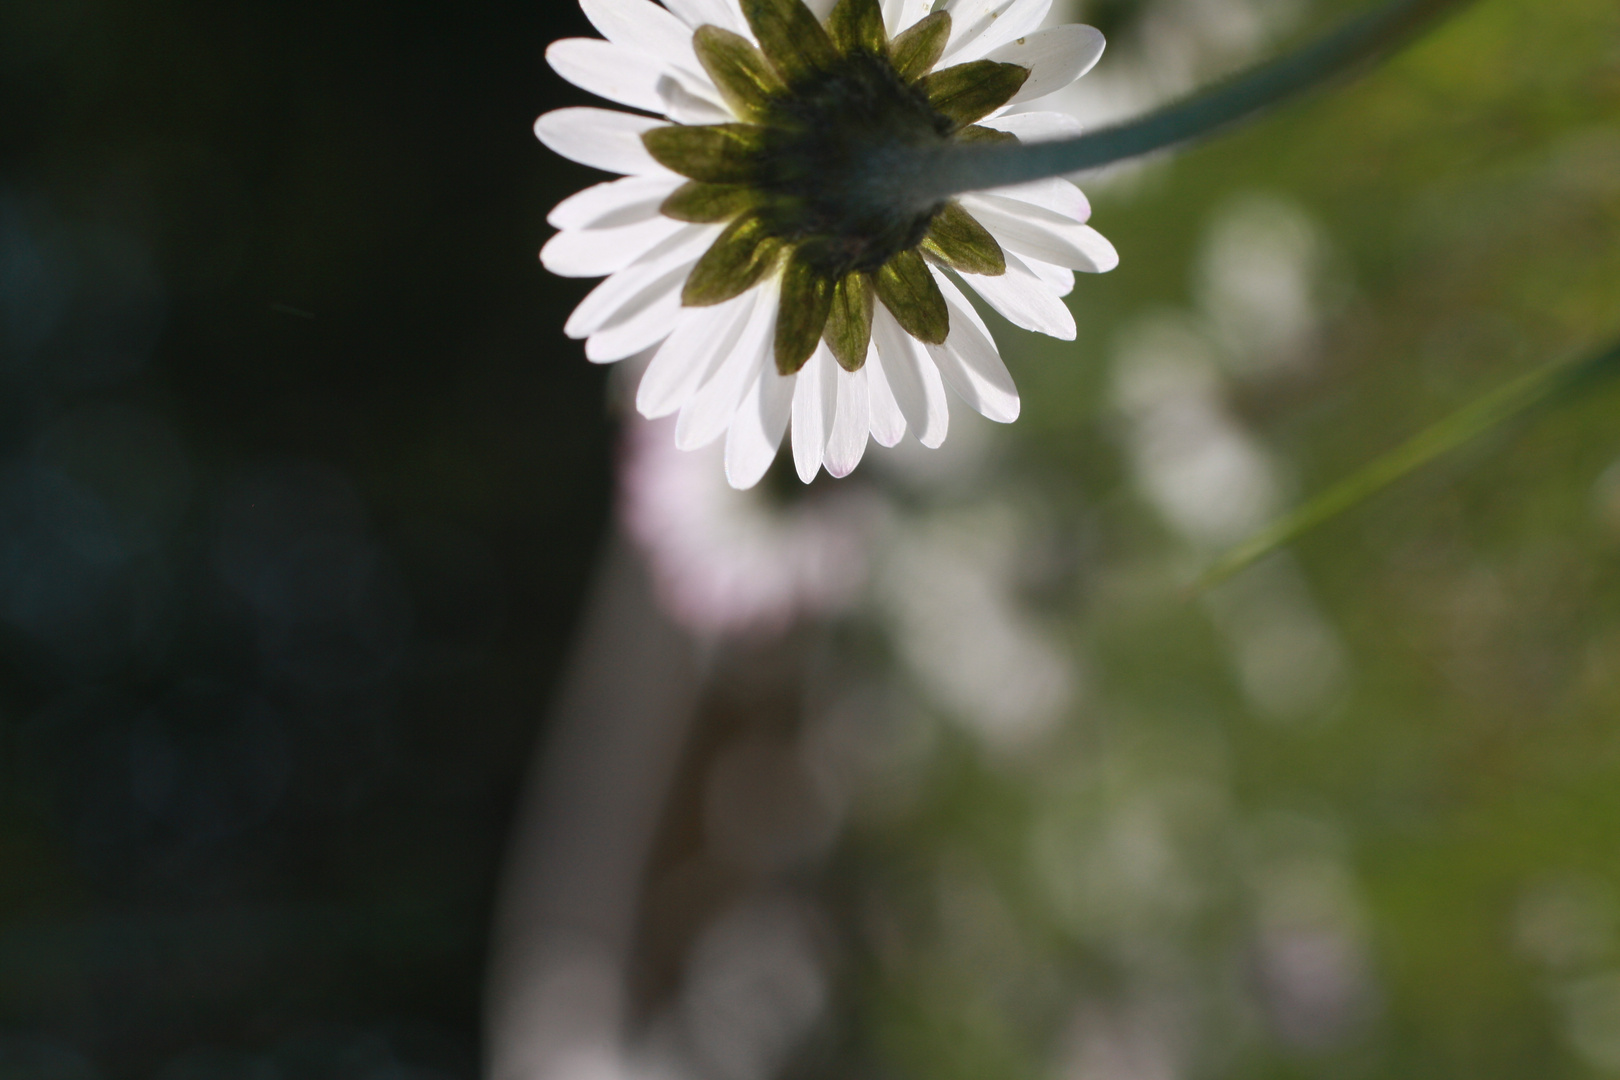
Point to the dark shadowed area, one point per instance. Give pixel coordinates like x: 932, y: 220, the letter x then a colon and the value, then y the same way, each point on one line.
x: 299, y: 487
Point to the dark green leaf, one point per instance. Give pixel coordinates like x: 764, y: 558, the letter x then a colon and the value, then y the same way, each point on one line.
x: 857, y: 25
x: 849, y: 324
x: 791, y: 37
x: 969, y: 91
x: 744, y: 77
x: 909, y: 291
x: 919, y: 47
x: 707, y: 203
x: 733, y: 264
x: 960, y: 242
x: 975, y: 133
x: 713, y: 153
x: 801, y: 313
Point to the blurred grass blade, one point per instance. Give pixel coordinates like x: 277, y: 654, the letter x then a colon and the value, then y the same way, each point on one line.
x: 1539, y: 387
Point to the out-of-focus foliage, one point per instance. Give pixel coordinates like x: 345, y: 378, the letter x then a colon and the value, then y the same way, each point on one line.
x: 1357, y: 811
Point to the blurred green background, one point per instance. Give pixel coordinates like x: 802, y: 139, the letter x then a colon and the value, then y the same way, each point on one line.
x: 301, y: 484
x: 1354, y: 812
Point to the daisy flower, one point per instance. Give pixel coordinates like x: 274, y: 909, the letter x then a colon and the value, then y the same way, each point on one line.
x: 754, y: 257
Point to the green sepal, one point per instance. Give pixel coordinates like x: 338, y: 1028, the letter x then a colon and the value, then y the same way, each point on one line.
x: 967, y: 92
x: 857, y: 26
x: 791, y: 38
x: 706, y: 204
x: 956, y: 239
x: 975, y: 133
x: 743, y: 76
x: 712, y: 153
x: 734, y: 263
x: 801, y: 313
x: 849, y: 324
x: 918, y: 48
x: 909, y: 291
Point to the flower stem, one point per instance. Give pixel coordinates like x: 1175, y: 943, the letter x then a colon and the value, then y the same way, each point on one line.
x: 1539, y: 387
x: 974, y: 167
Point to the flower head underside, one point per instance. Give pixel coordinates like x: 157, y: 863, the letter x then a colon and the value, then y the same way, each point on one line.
x: 824, y: 108
x: 756, y: 251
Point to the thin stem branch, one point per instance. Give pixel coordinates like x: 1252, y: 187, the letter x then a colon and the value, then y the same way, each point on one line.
x: 929, y: 176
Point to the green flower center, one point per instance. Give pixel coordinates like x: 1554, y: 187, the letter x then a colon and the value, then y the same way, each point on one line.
x: 823, y: 109
x: 814, y: 143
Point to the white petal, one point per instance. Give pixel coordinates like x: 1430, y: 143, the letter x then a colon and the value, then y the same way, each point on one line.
x: 595, y: 252
x: 851, y: 422
x: 815, y: 402
x: 1055, y: 58
x: 1035, y: 126
x: 614, y: 202
x: 820, y: 8
x: 686, y: 102
x: 703, y: 336
x: 1059, y: 278
x: 640, y: 324
x: 1025, y: 300
x: 970, y: 362
x: 616, y: 72
x: 884, y: 418
x: 601, y: 138
x: 1005, y: 22
x: 643, y: 25
x: 756, y: 430
x: 899, y: 15
x: 1079, y: 247
x: 1055, y: 198
x: 968, y: 20
x: 913, y: 378
x: 706, y: 416
x: 695, y: 13
x: 602, y: 303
